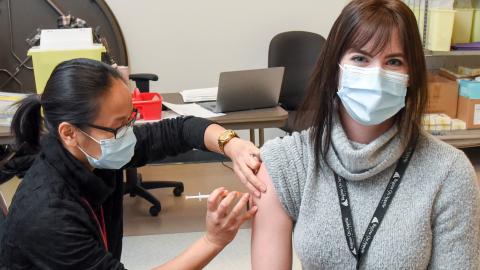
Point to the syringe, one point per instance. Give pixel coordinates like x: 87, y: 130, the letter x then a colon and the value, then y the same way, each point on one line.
x: 205, y: 196
x: 199, y: 197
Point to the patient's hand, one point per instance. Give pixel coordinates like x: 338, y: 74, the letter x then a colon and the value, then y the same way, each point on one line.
x: 246, y: 162
x: 223, y: 223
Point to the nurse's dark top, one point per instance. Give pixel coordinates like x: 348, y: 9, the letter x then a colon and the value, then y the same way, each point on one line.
x: 55, y: 220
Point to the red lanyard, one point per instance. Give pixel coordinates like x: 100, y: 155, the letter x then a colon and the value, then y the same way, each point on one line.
x: 100, y: 223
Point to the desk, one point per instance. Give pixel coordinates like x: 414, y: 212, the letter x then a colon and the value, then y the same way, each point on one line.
x: 253, y: 119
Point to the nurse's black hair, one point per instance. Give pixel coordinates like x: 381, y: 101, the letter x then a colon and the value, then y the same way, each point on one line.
x: 72, y: 94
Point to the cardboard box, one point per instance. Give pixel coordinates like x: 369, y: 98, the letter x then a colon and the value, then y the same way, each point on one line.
x: 469, y: 111
x: 442, y: 95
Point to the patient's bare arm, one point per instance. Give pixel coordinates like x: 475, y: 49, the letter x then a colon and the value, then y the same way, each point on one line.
x: 271, y: 230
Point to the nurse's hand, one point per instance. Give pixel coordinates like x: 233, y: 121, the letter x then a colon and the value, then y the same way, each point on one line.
x: 246, y: 162
x: 222, y: 220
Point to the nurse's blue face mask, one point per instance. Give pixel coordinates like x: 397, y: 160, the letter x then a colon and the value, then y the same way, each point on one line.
x: 117, y: 151
x: 372, y: 95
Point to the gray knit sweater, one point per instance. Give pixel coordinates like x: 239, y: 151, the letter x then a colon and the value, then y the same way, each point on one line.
x: 432, y: 223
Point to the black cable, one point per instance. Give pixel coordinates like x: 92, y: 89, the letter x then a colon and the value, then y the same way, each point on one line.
x: 22, y: 63
x: 11, y: 76
x: 225, y: 165
x: 55, y: 7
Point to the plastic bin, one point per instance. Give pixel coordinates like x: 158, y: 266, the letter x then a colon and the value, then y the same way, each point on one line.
x: 476, y: 26
x: 45, y: 60
x: 462, y: 25
x: 470, y: 89
x: 149, y: 105
x: 439, y: 27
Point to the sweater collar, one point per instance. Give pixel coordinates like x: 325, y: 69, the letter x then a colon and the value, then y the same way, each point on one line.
x: 94, y: 186
x: 354, y: 161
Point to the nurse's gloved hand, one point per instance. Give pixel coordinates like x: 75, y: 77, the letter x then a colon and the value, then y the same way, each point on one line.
x: 224, y: 216
x: 246, y: 162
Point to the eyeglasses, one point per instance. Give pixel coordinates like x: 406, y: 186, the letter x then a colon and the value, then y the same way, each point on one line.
x: 121, y: 131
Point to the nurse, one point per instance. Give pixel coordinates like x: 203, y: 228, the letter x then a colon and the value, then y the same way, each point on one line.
x: 67, y: 211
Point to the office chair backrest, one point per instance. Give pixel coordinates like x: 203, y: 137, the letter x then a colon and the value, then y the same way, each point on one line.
x: 297, y: 51
x: 142, y: 81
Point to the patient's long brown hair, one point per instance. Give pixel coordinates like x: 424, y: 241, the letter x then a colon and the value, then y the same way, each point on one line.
x: 360, y: 22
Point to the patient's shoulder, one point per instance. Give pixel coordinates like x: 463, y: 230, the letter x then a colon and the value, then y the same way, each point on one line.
x: 288, y: 161
x: 292, y: 147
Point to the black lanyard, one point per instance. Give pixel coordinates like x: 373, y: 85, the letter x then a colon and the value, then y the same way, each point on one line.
x: 382, y: 207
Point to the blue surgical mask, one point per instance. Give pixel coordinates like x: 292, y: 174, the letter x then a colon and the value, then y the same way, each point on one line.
x: 116, y: 153
x: 372, y: 95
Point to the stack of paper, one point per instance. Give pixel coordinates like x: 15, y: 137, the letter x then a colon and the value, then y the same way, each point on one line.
x: 191, y: 109
x: 441, y: 122
x: 437, y: 122
x: 7, y: 110
x: 458, y: 124
x: 198, y: 95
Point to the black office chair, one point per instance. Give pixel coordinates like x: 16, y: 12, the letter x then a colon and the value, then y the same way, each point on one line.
x: 134, y: 184
x: 3, y: 204
x: 3, y: 215
x: 298, y: 52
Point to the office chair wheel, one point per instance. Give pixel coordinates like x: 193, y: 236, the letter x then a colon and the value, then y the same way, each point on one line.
x: 154, y: 210
x: 177, y: 192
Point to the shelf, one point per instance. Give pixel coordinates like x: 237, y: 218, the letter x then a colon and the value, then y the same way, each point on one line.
x: 429, y: 53
x: 460, y: 138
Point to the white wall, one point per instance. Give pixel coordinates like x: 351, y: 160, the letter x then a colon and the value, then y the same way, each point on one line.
x: 188, y: 43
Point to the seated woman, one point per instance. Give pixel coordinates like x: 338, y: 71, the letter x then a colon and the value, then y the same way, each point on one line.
x: 364, y: 187
x: 67, y: 211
